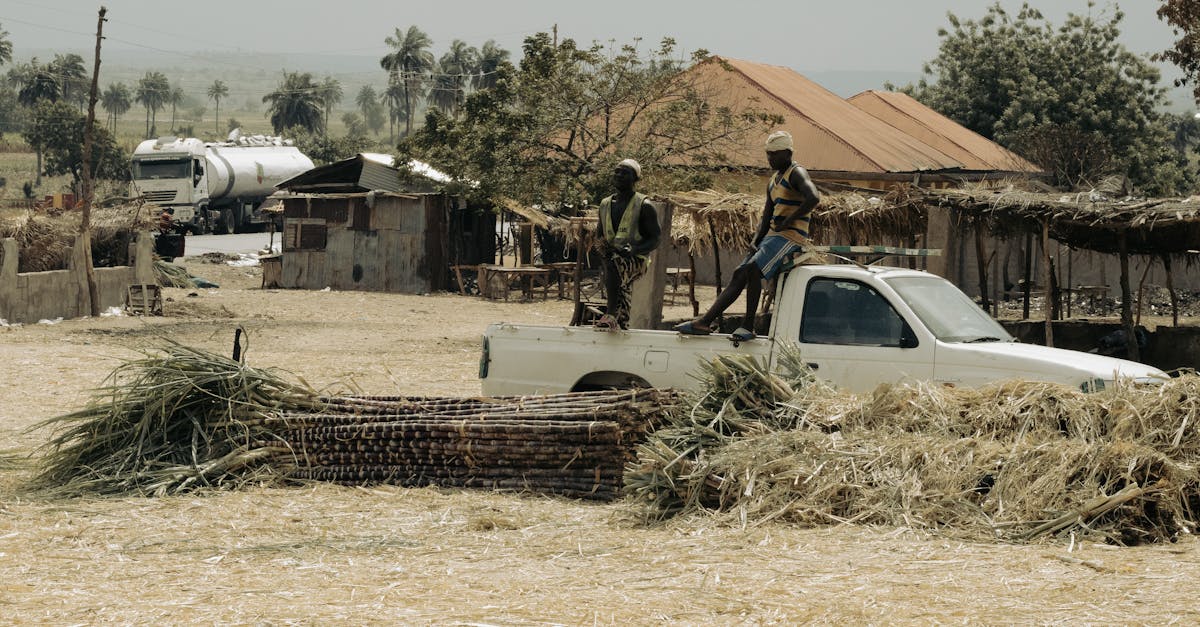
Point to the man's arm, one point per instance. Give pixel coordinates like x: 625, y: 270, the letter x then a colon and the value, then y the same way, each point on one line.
x: 651, y: 231
x: 800, y: 181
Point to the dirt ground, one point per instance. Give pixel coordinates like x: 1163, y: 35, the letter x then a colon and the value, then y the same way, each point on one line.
x: 381, y: 555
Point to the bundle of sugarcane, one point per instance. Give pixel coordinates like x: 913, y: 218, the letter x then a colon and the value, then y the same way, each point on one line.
x: 569, y: 444
x: 177, y: 419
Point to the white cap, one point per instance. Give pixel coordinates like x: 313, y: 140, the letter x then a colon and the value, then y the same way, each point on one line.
x: 632, y: 165
x: 779, y: 140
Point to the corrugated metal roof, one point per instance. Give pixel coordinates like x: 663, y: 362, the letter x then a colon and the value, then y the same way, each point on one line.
x: 975, y: 151
x: 829, y: 132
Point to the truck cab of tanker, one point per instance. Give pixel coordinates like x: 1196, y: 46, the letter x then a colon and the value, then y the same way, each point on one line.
x: 169, y: 172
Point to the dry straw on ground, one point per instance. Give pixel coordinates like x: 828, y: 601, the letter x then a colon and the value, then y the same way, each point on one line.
x: 1013, y: 461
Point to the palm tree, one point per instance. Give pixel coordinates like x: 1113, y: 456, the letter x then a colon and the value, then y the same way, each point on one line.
x: 116, y: 100
x: 152, y: 92
x: 407, y: 66
x: 297, y: 102
x: 366, y: 99
x: 174, y: 96
x: 216, y: 92
x: 393, y: 97
x: 490, y: 58
x: 443, y: 93
x: 73, y: 77
x: 331, y: 94
x: 456, y: 65
x: 5, y: 48
x: 37, y: 83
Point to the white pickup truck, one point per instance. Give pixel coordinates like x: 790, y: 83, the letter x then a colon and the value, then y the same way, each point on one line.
x: 856, y: 326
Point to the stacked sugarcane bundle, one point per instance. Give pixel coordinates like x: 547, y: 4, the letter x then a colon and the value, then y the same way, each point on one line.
x: 1015, y: 460
x: 181, y: 419
x: 568, y: 444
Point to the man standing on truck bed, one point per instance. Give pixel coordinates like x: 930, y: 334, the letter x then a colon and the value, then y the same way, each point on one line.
x: 791, y: 197
x: 628, y: 231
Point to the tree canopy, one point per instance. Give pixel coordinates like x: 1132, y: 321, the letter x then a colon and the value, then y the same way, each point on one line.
x: 1184, y: 18
x: 58, y: 129
x: 297, y: 101
x: 550, y: 131
x: 1071, y: 98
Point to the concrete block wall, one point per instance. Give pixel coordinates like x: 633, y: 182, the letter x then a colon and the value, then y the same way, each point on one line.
x: 32, y: 296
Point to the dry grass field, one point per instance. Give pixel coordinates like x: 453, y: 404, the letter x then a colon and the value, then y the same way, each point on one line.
x: 325, y: 554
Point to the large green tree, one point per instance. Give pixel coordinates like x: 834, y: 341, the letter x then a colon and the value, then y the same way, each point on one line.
x: 296, y: 102
x: 216, y: 92
x: 1184, y: 18
x: 408, y: 66
x: 550, y: 131
x: 1071, y: 98
x: 152, y: 92
x: 58, y: 129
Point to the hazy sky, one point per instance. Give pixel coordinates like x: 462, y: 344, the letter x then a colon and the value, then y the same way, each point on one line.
x: 830, y: 35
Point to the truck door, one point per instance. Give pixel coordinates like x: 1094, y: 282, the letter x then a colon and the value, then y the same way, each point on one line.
x: 854, y: 338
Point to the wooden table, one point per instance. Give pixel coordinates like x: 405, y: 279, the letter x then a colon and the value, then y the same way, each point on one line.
x: 496, y: 280
x: 674, y: 275
x: 562, y: 273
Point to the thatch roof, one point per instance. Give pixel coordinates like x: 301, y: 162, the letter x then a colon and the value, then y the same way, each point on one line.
x: 1088, y: 221
x: 45, y: 239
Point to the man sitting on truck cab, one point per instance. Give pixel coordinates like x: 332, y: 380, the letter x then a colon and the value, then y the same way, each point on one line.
x: 628, y: 232
x: 783, y: 230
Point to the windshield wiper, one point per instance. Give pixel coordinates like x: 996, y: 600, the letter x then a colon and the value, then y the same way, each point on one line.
x: 982, y: 338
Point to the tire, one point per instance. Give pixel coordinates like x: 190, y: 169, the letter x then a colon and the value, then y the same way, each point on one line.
x: 224, y: 225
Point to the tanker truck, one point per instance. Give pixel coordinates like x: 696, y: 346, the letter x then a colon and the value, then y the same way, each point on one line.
x: 214, y: 187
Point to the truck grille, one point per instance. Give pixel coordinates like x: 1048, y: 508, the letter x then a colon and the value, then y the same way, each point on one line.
x: 161, y: 196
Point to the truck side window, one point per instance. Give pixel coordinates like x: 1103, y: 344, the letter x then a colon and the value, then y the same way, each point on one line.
x: 850, y: 313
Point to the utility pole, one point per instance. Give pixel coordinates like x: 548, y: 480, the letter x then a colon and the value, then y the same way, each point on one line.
x: 85, y: 224
x: 555, y: 29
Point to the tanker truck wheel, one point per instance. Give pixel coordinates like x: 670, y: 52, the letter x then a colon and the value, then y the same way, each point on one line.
x: 224, y: 225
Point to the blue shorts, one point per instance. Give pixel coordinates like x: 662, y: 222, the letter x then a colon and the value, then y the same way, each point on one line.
x: 771, y: 254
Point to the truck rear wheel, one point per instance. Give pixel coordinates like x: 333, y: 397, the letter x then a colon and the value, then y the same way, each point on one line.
x: 224, y: 225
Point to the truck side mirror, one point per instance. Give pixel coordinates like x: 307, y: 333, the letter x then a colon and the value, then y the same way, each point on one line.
x: 908, y: 338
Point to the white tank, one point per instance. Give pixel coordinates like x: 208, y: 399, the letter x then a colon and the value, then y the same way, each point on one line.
x: 251, y: 171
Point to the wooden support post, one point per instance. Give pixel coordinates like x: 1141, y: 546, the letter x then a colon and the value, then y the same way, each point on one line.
x: 1142, y: 289
x: 981, y: 262
x: 1131, y: 345
x: 1166, y: 259
x: 712, y: 231
x: 1047, y: 284
x: 85, y: 226
x: 692, y: 285
x: 1028, y: 278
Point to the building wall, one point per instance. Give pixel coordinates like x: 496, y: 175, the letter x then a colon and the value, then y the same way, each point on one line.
x: 384, y: 242
x: 33, y: 296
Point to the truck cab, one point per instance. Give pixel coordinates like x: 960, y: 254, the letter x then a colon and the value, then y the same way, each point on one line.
x: 169, y: 172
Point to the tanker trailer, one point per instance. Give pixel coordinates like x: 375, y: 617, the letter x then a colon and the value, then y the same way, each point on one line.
x: 214, y: 186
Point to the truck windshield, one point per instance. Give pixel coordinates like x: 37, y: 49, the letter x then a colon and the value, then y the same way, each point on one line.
x: 948, y: 313
x: 162, y: 169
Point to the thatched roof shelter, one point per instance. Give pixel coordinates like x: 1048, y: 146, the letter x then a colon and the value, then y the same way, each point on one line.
x: 1090, y: 221
x: 45, y: 239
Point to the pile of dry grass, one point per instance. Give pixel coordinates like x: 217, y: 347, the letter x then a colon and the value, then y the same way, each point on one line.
x: 45, y: 240
x: 1014, y: 461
